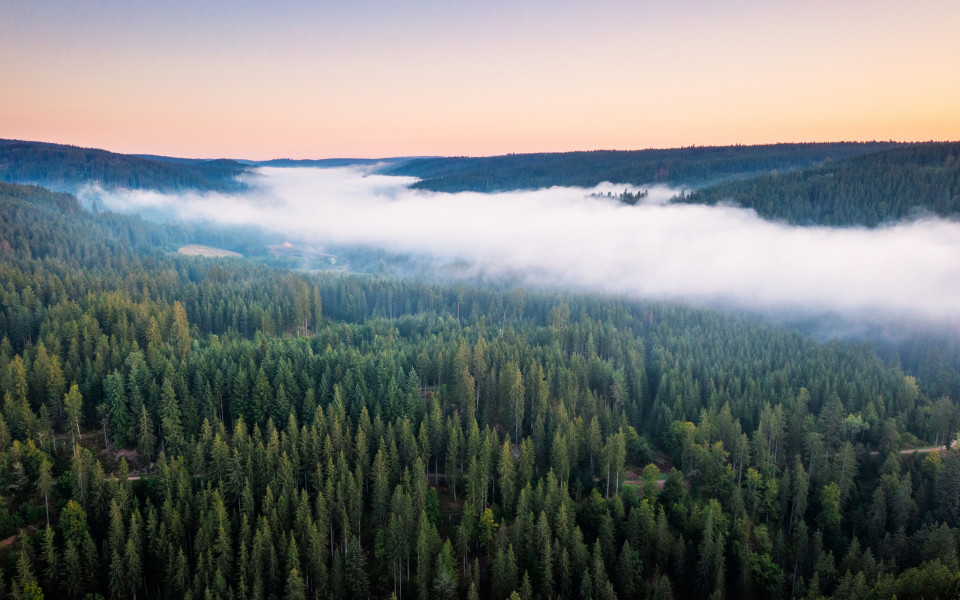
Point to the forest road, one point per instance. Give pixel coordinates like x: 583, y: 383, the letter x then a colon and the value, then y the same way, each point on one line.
x: 953, y: 444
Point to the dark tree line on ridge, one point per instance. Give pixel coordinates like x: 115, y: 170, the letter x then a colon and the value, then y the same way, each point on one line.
x: 843, y: 184
x: 870, y: 190
x: 694, y: 166
x: 65, y: 167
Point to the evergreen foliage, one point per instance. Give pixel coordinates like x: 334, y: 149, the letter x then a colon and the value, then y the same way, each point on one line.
x: 694, y: 166
x: 272, y: 434
x: 870, y: 190
x: 60, y: 166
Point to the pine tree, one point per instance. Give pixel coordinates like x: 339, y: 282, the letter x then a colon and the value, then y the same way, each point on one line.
x: 51, y: 573
x: 355, y: 564
x: 171, y: 431
x: 296, y: 588
x: 445, y: 580
x: 73, y: 402
x: 180, y: 331
x: 121, y: 421
x: 146, y: 441
x: 507, y: 472
x: 380, y: 498
x: 45, y: 485
x: 503, y: 573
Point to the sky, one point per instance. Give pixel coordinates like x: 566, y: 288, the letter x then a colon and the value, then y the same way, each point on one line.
x: 376, y: 78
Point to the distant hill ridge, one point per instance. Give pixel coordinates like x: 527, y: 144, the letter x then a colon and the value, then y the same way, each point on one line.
x: 66, y: 167
x: 328, y: 162
x: 869, y: 190
x: 829, y: 184
x: 834, y: 184
x: 690, y: 167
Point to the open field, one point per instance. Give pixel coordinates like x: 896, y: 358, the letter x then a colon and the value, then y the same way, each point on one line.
x: 209, y: 251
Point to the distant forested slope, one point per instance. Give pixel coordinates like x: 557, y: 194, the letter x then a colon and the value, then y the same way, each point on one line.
x: 330, y: 162
x: 864, y: 190
x: 66, y: 167
x: 678, y: 166
x: 33, y: 217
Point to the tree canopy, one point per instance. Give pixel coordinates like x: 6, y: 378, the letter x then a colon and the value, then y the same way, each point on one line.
x: 182, y: 427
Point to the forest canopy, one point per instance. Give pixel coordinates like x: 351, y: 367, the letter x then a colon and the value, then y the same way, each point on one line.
x: 67, y: 167
x: 873, y: 189
x: 693, y: 166
x: 185, y: 427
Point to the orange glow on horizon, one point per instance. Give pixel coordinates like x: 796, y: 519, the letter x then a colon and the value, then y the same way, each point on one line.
x: 309, y: 82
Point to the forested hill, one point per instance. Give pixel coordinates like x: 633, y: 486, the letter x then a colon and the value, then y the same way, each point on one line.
x: 68, y: 167
x: 694, y: 166
x: 180, y: 427
x: 383, y: 163
x: 866, y: 190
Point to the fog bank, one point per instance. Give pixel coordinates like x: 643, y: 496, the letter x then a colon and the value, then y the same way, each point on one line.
x: 563, y: 237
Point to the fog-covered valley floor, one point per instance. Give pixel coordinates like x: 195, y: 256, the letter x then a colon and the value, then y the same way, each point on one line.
x: 567, y: 237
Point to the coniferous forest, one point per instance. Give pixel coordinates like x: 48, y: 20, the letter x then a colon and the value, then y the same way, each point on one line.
x: 693, y: 166
x: 838, y: 184
x: 180, y: 427
x: 871, y: 189
x: 62, y: 167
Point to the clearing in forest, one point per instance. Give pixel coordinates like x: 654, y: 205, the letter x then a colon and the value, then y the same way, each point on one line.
x: 200, y: 250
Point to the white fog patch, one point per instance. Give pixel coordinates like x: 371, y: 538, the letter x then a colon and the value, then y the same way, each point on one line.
x: 563, y: 236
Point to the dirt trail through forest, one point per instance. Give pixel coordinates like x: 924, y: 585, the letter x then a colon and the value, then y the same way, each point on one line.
x: 953, y: 444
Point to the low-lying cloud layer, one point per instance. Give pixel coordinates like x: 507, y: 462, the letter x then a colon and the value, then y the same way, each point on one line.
x: 560, y: 236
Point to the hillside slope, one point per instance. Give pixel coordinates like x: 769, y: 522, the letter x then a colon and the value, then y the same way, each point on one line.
x: 866, y: 190
x: 695, y: 166
x: 68, y: 167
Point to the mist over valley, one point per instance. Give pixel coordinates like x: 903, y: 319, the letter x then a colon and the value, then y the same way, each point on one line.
x: 579, y: 239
